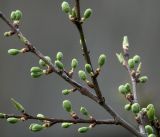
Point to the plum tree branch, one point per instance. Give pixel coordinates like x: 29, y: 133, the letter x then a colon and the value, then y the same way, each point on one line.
x: 83, y: 90
x: 55, y: 120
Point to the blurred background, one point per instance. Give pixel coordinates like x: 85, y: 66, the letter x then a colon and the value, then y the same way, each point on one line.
x: 49, y: 29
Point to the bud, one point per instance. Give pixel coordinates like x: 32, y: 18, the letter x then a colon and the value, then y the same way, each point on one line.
x: 143, y: 79
x: 17, y: 105
x: 152, y: 135
x: 128, y: 87
x: 8, y: 33
x: 40, y: 116
x: 82, y: 75
x: 59, y: 64
x: 139, y: 68
x: 35, y: 127
x: 135, y: 108
x: 131, y: 63
x: 67, y: 105
x: 18, y: 14
x: 127, y: 107
x: 122, y: 89
x: 84, y: 111
x: 87, y: 13
x: 66, y: 125
x: 36, y: 75
x: 150, y: 112
x: 74, y: 63
x: 65, y: 7
x: 88, y: 68
x: 125, y: 43
x: 101, y: 60
x: 13, y: 15
x: 2, y: 115
x: 36, y: 70
x: 13, y: 52
x: 59, y: 56
x: 149, y: 129
x: 74, y: 14
x: 12, y: 120
x: 120, y: 58
x: 42, y: 63
x: 136, y: 59
x: 83, y: 129
x: 66, y: 91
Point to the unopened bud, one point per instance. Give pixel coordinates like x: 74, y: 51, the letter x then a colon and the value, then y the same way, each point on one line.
x: 65, y: 7
x: 82, y: 75
x: 12, y: 120
x: 83, y: 129
x: 135, y: 108
x: 101, y: 60
x: 66, y: 125
x: 67, y: 105
x: 13, y: 52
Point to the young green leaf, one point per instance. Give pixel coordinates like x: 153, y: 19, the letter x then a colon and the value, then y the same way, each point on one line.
x: 17, y: 105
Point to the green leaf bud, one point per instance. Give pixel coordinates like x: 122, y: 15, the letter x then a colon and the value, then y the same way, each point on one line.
x: 13, y: 52
x: 65, y: 7
x: 59, y: 64
x: 18, y: 14
x: 88, y: 68
x: 74, y: 14
x: 74, y: 63
x: 67, y: 105
x: 131, y: 63
x: 13, y: 15
x: 128, y: 87
x: 36, y: 70
x: 127, y: 107
x: 87, y: 13
x: 84, y: 111
x: 66, y: 125
x: 137, y: 59
x: 2, y: 115
x: 143, y: 79
x: 59, y: 56
x: 122, y: 89
x: 82, y: 75
x: 35, y: 127
x: 152, y: 135
x: 42, y: 63
x: 65, y: 92
x: 150, y: 112
x: 120, y: 58
x: 40, y: 116
x: 36, y: 75
x: 8, y: 33
x: 83, y: 129
x: 139, y: 68
x: 125, y: 43
x: 17, y: 105
x: 149, y: 129
x: 12, y: 120
x: 101, y: 60
x: 135, y: 108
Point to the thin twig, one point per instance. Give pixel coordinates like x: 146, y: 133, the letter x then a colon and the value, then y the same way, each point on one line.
x: 134, y: 91
x: 79, y: 87
x: 56, y: 120
x: 86, y: 52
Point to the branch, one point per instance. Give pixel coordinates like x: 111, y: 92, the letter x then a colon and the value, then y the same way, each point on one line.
x: 55, y: 120
x: 78, y: 24
x: 83, y: 90
x: 52, y: 68
x: 134, y: 91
